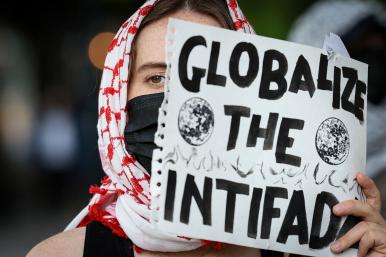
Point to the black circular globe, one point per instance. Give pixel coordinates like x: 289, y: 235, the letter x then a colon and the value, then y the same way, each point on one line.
x: 196, y: 121
x: 332, y: 141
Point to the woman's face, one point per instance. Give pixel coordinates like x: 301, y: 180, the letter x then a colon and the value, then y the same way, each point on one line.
x: 148, y: 71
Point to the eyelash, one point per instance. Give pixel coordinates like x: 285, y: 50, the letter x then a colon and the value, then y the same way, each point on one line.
x: 151, y: 77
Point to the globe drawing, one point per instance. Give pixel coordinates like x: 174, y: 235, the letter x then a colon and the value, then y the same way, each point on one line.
x: 332, y: 141
x: 196, y: 121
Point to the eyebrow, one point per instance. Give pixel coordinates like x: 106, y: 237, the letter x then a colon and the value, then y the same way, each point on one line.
x: 151, y: 65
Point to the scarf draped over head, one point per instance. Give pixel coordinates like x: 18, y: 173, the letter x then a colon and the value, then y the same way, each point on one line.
x: 122, y: 202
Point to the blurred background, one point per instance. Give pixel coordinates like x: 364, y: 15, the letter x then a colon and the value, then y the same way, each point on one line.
x: 50, y: 59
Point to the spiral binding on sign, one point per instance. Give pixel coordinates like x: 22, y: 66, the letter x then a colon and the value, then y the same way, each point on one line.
x: 157, y: 161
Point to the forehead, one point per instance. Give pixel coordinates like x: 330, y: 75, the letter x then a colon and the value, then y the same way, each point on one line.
x: 150, y: 44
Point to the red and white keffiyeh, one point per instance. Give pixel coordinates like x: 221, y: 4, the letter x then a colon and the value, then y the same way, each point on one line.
x: 122, y: 202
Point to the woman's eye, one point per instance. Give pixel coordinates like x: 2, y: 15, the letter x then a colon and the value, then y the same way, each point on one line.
x: 157, y: 80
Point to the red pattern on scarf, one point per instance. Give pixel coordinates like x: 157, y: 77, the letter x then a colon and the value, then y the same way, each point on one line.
x: 97, y: 211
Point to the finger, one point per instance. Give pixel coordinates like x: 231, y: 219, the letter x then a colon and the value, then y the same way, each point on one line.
x: 366, y: 243
x: 351, y: 237
x: 370, y: 190
x: 375, y: 254
x: 359, y: 209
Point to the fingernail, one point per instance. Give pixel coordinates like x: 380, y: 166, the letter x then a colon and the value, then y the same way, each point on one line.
x: 336, y: 246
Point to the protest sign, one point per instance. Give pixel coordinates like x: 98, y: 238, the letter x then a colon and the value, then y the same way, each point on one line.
x: 258, y: 139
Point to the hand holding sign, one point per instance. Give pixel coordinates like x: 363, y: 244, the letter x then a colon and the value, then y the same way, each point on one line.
x: 371, y: 232
x: 259, y: 140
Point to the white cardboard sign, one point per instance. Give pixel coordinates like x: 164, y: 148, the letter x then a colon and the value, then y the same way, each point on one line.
x: 259, y: 139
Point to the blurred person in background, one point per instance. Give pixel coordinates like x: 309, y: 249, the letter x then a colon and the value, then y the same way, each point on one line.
x: 18, y: 100
x: 56, y: 140
x: 362, y: 27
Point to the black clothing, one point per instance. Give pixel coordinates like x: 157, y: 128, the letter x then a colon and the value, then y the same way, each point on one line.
x: 101, y: 242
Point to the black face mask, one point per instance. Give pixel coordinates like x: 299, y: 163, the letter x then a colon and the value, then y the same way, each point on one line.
x: 141, y: 127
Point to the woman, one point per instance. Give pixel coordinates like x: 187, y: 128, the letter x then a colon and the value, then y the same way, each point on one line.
x: 119, y: 208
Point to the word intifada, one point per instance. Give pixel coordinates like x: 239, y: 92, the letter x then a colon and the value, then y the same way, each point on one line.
x: 295, y: 221
x: 301, y: 79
